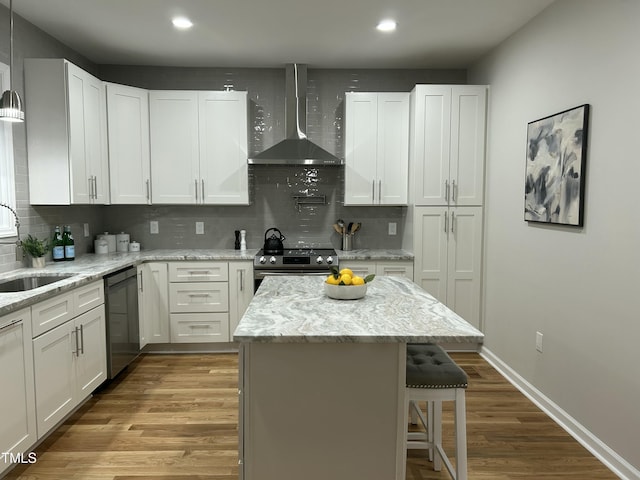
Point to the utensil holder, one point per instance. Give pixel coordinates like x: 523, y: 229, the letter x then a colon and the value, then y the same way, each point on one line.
x: 347, y: 241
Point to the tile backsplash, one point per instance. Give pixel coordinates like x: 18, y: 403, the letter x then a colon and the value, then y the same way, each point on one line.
x: 273, y: 204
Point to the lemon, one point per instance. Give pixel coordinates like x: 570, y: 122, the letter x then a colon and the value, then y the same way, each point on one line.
x: 356, y: 280
x: 345, y: 278
x: 331, y: 280
x: 346, y: 271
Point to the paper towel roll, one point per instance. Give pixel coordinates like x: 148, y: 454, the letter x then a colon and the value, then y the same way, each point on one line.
x: 122, y: 242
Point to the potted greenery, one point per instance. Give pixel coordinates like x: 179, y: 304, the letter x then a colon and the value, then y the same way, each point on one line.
x: 36, y: 249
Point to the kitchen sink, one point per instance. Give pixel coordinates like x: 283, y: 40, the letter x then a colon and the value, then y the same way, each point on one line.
x: 29, y: 282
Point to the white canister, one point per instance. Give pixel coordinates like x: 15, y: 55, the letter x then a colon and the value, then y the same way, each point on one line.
x: 101, y: 246
x: 111, y: 240
x: 122, y: 242
x: 134, y: 247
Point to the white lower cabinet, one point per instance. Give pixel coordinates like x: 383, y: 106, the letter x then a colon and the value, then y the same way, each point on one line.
x: 70, y: 361
x: 448, y: 257
x: 193, y: 301
x: 363, y: 268
x: 17, y: 401
x: 240, y: 291
x: 153, y: 302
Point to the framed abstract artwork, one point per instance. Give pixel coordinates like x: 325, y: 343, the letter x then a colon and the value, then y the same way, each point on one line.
x: 556, y: 164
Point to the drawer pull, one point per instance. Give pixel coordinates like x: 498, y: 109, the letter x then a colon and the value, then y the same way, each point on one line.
x: 204, y: 294
x: 200, y: 325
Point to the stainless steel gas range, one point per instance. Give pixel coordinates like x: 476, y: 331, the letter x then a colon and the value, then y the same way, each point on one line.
x: 299, y: 261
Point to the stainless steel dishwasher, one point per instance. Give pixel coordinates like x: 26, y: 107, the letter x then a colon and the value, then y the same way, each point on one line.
x: 123, y: 331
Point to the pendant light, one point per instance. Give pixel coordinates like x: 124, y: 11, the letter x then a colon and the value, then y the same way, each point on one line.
x: 11, y: 104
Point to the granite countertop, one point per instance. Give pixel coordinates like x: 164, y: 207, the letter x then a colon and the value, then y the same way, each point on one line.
x: 375, y: 254
x: 91, y: 267
x: 295, y: 310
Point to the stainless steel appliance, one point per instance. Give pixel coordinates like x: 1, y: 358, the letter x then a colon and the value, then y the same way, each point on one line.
x: 123, y: 331
x: 299, y: 261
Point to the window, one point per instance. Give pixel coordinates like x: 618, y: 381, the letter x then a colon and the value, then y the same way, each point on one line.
x: 7, y: 179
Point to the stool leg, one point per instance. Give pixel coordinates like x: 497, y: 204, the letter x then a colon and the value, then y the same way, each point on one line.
x: 436, y: 426
x: 461, y: 435
x: 414, y: 415
x: 430, y: 428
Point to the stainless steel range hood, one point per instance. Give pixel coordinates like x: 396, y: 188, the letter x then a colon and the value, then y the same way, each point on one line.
x: 296, y: 149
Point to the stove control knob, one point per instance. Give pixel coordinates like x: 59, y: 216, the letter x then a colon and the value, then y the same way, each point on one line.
x: 262, y: 260
x: 329, y: 260
x: 319, y: 260
x: 272, y: 260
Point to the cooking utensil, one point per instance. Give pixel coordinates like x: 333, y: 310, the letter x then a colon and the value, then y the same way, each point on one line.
x: 340, y: 223
x: 349, y: 227
x: 356, y: 227
x: 337, y: 229
x: 273, y: 244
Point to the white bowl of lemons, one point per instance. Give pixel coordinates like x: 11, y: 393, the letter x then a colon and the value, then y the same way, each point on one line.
x: 344, y: 285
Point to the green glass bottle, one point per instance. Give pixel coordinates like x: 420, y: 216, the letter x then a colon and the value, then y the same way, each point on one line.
x: 69, y: 244
x: 57, y: 246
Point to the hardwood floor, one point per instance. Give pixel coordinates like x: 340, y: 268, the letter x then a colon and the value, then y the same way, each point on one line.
x: 175, y: 417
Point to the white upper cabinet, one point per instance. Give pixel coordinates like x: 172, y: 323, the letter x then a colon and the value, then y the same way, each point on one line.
x: 128, y: 129
x: 66, y: 134
x: 199, y: 147
x: 448, y: 144
x: 376, y: 148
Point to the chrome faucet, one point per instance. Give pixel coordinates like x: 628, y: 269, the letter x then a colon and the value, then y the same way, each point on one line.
x: 18, y: 242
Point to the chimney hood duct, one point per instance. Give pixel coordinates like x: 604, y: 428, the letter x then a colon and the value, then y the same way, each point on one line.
x: 296, y: 149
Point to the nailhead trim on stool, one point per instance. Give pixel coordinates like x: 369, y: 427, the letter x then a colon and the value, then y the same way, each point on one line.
x: 434, y: 377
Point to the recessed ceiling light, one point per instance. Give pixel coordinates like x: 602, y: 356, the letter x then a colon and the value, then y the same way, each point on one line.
x: 387, y: 25
x: 182, y: 23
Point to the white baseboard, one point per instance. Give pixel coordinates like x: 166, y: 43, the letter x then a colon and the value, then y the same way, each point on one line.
x: 599, y: 449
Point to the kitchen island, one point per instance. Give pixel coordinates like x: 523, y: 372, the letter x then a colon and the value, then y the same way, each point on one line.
x: 322, y: 380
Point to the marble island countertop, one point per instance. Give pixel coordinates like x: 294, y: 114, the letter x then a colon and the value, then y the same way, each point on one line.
x: 295, y: 310
x: 378, y: 254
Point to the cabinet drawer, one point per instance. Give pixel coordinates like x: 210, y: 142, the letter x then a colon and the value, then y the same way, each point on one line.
x: 198, y: 272
x: 88, y: 297
x: 50, y: 313
x: 198, y: 297
x: 199, y: 327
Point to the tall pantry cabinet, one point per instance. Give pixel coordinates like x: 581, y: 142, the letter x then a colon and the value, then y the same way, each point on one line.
x: 447, y: 163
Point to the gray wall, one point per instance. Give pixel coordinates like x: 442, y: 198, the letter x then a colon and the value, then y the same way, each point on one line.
x: 578, y: 286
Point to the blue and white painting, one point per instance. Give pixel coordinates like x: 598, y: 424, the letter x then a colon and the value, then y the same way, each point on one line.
x: 556, y: 162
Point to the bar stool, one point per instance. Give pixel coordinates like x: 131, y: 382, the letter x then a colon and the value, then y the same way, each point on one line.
x: 433, y: 377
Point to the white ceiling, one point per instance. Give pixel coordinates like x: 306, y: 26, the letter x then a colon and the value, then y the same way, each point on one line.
x: 271, y: 33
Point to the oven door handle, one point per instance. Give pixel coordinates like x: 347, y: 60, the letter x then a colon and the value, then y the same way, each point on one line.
x: 261, y: 275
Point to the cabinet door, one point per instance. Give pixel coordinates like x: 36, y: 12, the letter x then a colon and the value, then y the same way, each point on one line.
x: 88, y: 137
x: 128, y: 128
x: 430, y: 263
x: 223, y: 148
x: 464, y: 263
x: 393, y: 149
x: 54, y: 367
x: 240, y: 292
x: 153, y: 301
x: 466, y: 169
x: 81, y: 184
x: 17, y: 402
x: 361, y: 148
x: 431, y: 143
x: 91, y: 360
x: 173, y: 123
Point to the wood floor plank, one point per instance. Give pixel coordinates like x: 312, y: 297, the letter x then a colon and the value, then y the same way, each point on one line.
x: 174, y: 417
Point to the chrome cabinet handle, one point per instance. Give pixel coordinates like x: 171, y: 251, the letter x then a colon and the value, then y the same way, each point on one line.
x: 197, y: 294
x: 76, y: 352
x: 241, y: 280
x: 446, y: 223
x: 446, y: 190
x: 454, y: 191
x: 379, y: 191
x: 81, y: 339
x: 11, y: 324
x: 196, y: 182
x: 453, y: 219
x: 148, y: 190
x: 95, y: 187
x: 373, y: 191
x: 202, y: 191
x: 141, y: 288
